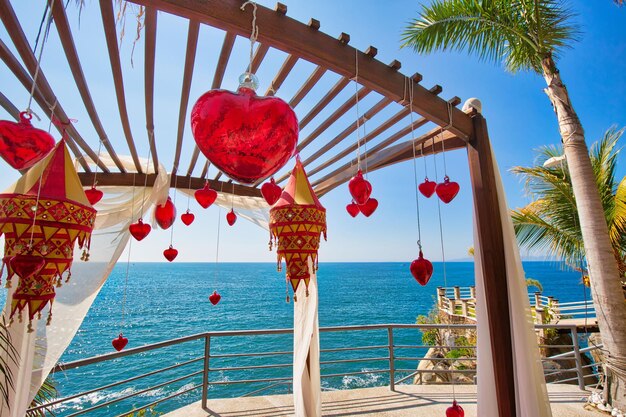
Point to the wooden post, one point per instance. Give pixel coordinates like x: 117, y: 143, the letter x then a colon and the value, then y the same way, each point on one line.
x: 491, y: 241
x: 441, y: 293
x: 472, y: 292
x: 537, y: 299
x: 464, y: 310
x: 457, y: 293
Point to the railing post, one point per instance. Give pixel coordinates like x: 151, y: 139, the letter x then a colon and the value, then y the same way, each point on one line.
x: 457, y: 293
x: 441, y: 294
x: 464, y: 310
x: 537, y: 299
x: 392, y: 366
x: 472, y: 292
x: 205, y: 374
x: 579, y: 359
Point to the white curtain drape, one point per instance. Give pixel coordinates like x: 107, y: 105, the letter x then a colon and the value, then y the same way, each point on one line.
x: 530, y: 387
x: 306, y: 351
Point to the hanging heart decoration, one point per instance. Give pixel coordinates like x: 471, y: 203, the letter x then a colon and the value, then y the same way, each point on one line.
x: 21, y: 144
x: 170, y: 253
x: 421, y: 269
x: 455, y: 410
x: 246, y: 136
x: 215, y: 298
x: 27, y: 265
x: 94, y: 195
x: 187, y: 218
x: 120, y: 342
x: 231, y: 217
x: 360, y: 188
x: 447, y: 190
x: 271, y: 191
x: 369, y: 207
x: 165, y: 214
x: 205, y: 196
x: 427, y: 188
x: 353, y: 209
x: 139, y: 230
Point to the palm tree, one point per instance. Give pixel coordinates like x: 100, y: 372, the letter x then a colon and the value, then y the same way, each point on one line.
x: 529, y: 35
x: 549, y: 223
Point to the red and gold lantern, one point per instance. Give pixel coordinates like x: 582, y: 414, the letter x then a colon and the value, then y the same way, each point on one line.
x: 42, y: 216
x: 297, y: 221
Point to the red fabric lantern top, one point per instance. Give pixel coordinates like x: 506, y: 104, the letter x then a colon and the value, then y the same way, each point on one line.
x: 296, y: 222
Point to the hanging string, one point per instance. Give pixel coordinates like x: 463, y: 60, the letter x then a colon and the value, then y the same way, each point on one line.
x: 417, y: 203
x: 95, y: 174
x: 174, y: 202
x: 254, y: 33
x: 443, y: 147
x: 145, y: 184
x: 188, y: 193
x: 217, y: 243
x: 356, y: 99
x: 130, y: 247
x: 43, y: 43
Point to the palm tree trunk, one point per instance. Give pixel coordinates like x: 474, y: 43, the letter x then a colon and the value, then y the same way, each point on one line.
x: 603, y: 270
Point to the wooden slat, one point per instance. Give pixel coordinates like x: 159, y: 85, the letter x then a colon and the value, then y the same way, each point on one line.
x: 44, y: 96
x: 218, y: 77
x: 110, y: 35
x: 328, y: 97
x: 490, y: 236
x: 218, y: 176
x: 67, y: 41
x: 296, y: 38
x: 307, y: 86
x: 258, y: 57
x: 181, y: 182
x: 190, y: 59
x: 205, y: 169
x: 150, y: 54
x: 9, y: 107
x: 284, y: 71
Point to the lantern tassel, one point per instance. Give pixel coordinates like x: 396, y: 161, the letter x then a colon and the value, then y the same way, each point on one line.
x: 30, y: 326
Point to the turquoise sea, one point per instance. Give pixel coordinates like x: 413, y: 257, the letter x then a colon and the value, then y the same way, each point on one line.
x: 166, y: 301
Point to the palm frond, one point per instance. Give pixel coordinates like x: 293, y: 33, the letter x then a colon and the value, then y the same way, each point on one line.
x: 8, y: 357
x: 47, y: 393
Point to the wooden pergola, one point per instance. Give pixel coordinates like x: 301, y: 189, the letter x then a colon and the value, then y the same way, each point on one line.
x: 447, y: 127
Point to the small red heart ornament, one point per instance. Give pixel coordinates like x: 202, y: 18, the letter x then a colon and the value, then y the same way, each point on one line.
x: 120, y: 342
x: 170, y: 253
x: 271, y: 192
x: 187, y: 217
x: 247, y: 137
x: 353, y: 209
x: 140, y: 229
x: 421, y: 269
x: 447, y: 190
x: 94, y: 195
x: 231, y: 217
x: 165, y: 214
x: 369, y: 207
x: 455, y: 410
x: 360, y: 188
x: 27, y: 265
x: 205, y: 196
x: 21, y: 144
x: 427, y: 188
x: 215, y: 298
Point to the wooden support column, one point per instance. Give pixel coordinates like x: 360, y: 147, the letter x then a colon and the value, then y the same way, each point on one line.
x: 491, y: 241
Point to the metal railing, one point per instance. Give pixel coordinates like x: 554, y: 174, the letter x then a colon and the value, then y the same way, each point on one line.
x: 227, y: 363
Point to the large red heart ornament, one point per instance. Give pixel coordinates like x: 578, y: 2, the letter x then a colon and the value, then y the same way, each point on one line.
x: 21, y: 144
x: 170, y: 253
x: 187, y: 218
x: 120, y: 342
x: 247, y: 137
x: 139, y: 230
x: 447, y: 190
x: 27, y: 265
x: 94, y: 195
x: 369, y: 207
x: 165, y: 214
x: 231, y: 217
x: 455, y: 410
x: 205, y: 196
x: 271, y: 192
x: 421, y: 269
x: 427, y: 188
x: 360, y: 188
x: 353, y: 209
x: 215, y: 298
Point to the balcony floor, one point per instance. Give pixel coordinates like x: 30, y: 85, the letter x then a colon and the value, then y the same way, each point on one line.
x: 408, y: 400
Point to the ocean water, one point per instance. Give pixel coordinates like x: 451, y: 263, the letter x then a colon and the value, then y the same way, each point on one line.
x: 167, y: 301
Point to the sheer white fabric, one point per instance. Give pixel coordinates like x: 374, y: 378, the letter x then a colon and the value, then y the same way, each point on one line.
x: 306, y: 351
x: 530, y: 387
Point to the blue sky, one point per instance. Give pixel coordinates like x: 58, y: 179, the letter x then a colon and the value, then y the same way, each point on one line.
x: 519, y: 116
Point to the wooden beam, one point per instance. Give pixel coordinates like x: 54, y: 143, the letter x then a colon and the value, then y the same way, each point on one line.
x: 10, y: 108
x: 181, y: 182
x: 328, y: 97
x: 307, y: 86
x: 110, y: 35
x: 296, y: 38
x: 492, y: 261
x: 190, y: 59
x: 279, y: 79
x: 150, y: 55
x: 67, y: 41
